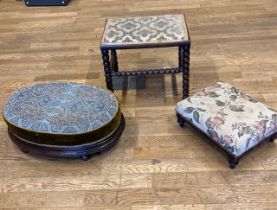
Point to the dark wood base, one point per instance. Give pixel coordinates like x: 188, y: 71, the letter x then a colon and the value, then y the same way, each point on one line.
x: 233, y: 160
x: 83, y: 151
x: 272, y: 138
x: 111, y: 68
x: 181, y: 122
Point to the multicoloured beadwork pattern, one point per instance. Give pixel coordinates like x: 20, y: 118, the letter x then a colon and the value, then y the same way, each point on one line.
x: 61, y: 107
x: 145, y: 29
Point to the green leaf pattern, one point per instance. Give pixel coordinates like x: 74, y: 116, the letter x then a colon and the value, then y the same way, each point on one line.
x: 196, y: 116
x: 219, y: 103
x: 189, y: 110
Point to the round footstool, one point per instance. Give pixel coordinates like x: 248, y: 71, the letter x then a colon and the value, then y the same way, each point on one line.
x: 64, y: 119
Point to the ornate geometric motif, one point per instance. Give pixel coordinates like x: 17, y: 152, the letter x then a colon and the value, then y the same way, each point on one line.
x: 65, y: 108
x: 145, y: 29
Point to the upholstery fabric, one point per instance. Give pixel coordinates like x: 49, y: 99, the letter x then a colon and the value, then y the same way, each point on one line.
x: 145, y: 29
x: 61, y: 108
x: 229, y: 117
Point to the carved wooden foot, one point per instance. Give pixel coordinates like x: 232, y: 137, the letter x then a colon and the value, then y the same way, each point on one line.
x: 86, y: 157
x: 99, y: 153
x: 233, y: 162
x: 24, y: 151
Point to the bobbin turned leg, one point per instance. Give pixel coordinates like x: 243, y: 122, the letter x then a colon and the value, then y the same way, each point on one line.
x: 180, y: 56
x: 107, y: 69
x: 114, y: 63
x: 184, y: 58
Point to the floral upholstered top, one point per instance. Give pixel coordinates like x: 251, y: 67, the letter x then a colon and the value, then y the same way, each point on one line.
x: 230, y: 117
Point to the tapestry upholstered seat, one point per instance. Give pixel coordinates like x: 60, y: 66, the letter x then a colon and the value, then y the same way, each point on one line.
x: 232, y: 119
x: 63, y: 119
x: 141, y: 32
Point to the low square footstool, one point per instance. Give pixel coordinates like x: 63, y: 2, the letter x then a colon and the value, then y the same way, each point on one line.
x: 233, y: 120
x: 145, y: 32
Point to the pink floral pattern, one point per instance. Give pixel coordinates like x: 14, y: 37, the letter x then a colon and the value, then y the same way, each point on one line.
x: 230, y: 117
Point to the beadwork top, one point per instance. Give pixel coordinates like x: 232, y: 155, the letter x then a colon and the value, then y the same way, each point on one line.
x: 60, y: 108
x: 145, y: 30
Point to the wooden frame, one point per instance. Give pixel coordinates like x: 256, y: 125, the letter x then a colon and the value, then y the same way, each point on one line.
x: 111, y: 69
x: 233, y: 160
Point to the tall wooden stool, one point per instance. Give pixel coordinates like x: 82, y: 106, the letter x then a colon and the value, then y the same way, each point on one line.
x: 146, y: 32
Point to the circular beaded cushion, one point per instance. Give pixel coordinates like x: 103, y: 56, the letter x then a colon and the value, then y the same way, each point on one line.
x: 62, y: 113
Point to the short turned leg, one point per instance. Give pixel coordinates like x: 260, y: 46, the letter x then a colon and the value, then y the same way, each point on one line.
x: 273, y: 137
x: 86, y: 157
x: 233, y: 162
x: 180, y: 121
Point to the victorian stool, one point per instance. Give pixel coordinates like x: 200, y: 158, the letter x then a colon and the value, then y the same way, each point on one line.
x: 63, y: 119
x: 233, y: 120
x: 145, y: 32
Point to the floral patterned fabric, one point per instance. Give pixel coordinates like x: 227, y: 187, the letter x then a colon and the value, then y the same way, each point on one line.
x: 230, y: 117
